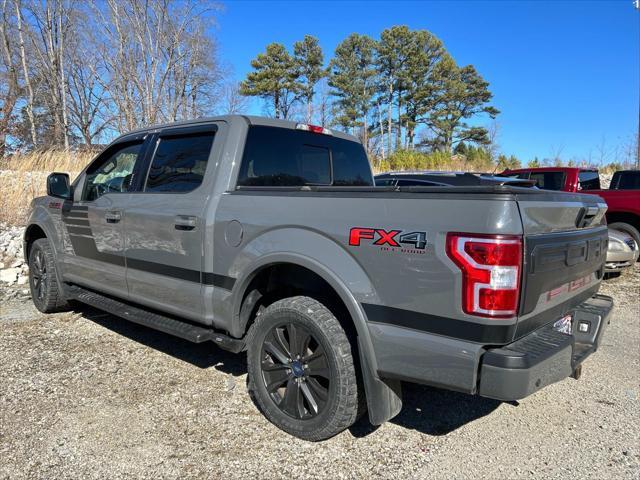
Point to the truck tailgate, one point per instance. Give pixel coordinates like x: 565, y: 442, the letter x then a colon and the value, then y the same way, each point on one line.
x: 565, y: 246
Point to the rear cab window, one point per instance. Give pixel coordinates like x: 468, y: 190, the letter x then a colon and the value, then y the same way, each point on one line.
x: 588, y: 180
x: 281, y: 157
x: 548, y: 180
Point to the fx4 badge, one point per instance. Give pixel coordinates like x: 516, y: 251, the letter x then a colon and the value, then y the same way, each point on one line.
x: 415, y: 241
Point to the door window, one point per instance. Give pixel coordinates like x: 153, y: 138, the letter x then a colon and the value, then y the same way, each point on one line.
x: 112, y: 172
x: 628, y: 181
x: 179, y: 163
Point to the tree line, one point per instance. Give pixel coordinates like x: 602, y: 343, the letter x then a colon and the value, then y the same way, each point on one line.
x: 77, y: 71
x: 401, y: 91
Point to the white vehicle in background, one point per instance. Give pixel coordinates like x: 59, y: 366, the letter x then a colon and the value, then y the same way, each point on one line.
x: 622, y: 253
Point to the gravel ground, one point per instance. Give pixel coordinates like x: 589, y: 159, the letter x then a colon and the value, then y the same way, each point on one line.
x: 87, y: 395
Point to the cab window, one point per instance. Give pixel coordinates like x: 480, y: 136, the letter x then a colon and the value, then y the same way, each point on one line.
x: 282, y: 157
x: 179, y: 163
x: 112, y: 172
x: 588, y: 181
x: 548, y: 180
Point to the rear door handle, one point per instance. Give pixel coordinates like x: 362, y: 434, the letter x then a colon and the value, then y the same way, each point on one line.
x: 113, y: 216
x: 186, y: 222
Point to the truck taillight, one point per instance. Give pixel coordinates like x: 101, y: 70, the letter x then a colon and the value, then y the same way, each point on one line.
x: 313, y: 129
x: 491, y: 267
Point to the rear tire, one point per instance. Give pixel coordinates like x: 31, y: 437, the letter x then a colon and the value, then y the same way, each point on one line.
x: 301, y: 370
x: 46, y: 293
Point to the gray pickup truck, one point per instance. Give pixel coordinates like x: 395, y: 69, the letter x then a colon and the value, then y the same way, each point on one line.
x: 270, y: 236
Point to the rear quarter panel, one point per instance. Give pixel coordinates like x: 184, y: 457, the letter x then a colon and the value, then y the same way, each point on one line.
x: 315, y: 226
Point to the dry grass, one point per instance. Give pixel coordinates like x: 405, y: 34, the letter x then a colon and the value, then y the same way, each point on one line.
x: 47, y: 161
x: 23, y: 177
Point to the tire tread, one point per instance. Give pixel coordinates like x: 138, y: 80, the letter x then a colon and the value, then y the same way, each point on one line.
x: 347, y: 405
x: 55, y: 301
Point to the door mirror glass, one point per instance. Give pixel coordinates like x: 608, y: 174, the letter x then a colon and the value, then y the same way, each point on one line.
x: 58, y: 185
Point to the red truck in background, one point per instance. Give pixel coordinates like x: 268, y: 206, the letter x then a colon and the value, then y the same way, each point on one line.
x: 622, y: 196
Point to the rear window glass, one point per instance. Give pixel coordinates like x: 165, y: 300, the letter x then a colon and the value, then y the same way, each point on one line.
x: 548, y: 180
x: 589, y: 180
x: 179, y: 163
x: 628, y: 181
x: 276, y: 157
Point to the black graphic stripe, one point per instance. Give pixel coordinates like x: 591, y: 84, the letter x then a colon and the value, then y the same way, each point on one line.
x: 79, y: 230
x: 217, y: 280
x: 86, y: 247
x: 449, y: 327
x: 73, y: 215
x: 68, y: 214
x: 206, y: 278
x: 166, y: 270
x: 77, y: 221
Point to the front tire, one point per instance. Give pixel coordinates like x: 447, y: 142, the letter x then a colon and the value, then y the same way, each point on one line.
x: 46, y: 293
x: 301, y: 369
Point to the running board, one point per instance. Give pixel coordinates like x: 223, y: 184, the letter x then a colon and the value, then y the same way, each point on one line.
x: 139, y: 315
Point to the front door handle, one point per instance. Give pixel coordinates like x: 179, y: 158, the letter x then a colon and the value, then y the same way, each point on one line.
x: 113, y: 216
x: 185, y: 222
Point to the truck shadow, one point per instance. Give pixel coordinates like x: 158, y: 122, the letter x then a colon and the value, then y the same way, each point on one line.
x: 201, y: 355
x: 431, y: 411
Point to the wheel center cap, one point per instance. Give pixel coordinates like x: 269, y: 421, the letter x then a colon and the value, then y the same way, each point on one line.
x: 297, y: 368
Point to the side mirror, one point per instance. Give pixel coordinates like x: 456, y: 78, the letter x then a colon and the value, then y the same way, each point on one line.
x: 58, y: 185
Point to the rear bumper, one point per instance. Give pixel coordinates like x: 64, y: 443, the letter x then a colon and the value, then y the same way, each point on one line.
x: 544, y: 356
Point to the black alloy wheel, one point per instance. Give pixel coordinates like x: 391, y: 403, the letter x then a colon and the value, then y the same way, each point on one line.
x: 39, y: 275
x: 295, y: 371
x: 301, y: 370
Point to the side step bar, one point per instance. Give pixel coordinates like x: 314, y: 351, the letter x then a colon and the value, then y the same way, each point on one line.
x: 136, y: 314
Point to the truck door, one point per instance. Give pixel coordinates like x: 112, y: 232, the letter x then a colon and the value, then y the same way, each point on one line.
x: 163, y: 225
x: 94, y: 239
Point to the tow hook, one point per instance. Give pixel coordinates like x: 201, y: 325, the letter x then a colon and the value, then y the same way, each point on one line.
x: 577, y: 372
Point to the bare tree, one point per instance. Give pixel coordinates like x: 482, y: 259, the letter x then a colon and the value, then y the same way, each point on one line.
x: 160, y: 61
x: 323, y: 106
x: 52, y: 22
x: 556, y: 156
x: 603, y: 152
x: 9, y: 75
x: 27, y: 78
x: 493, y: 134
x: 231, y: 100
x: 88, y: 111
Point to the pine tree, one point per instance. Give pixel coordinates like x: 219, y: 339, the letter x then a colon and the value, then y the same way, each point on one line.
x: 352, y: 79
x: 462, y: 94
x: 393, y: 51
x: 419, y: 80
x: 275, y: 78
x: 309, y: 59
